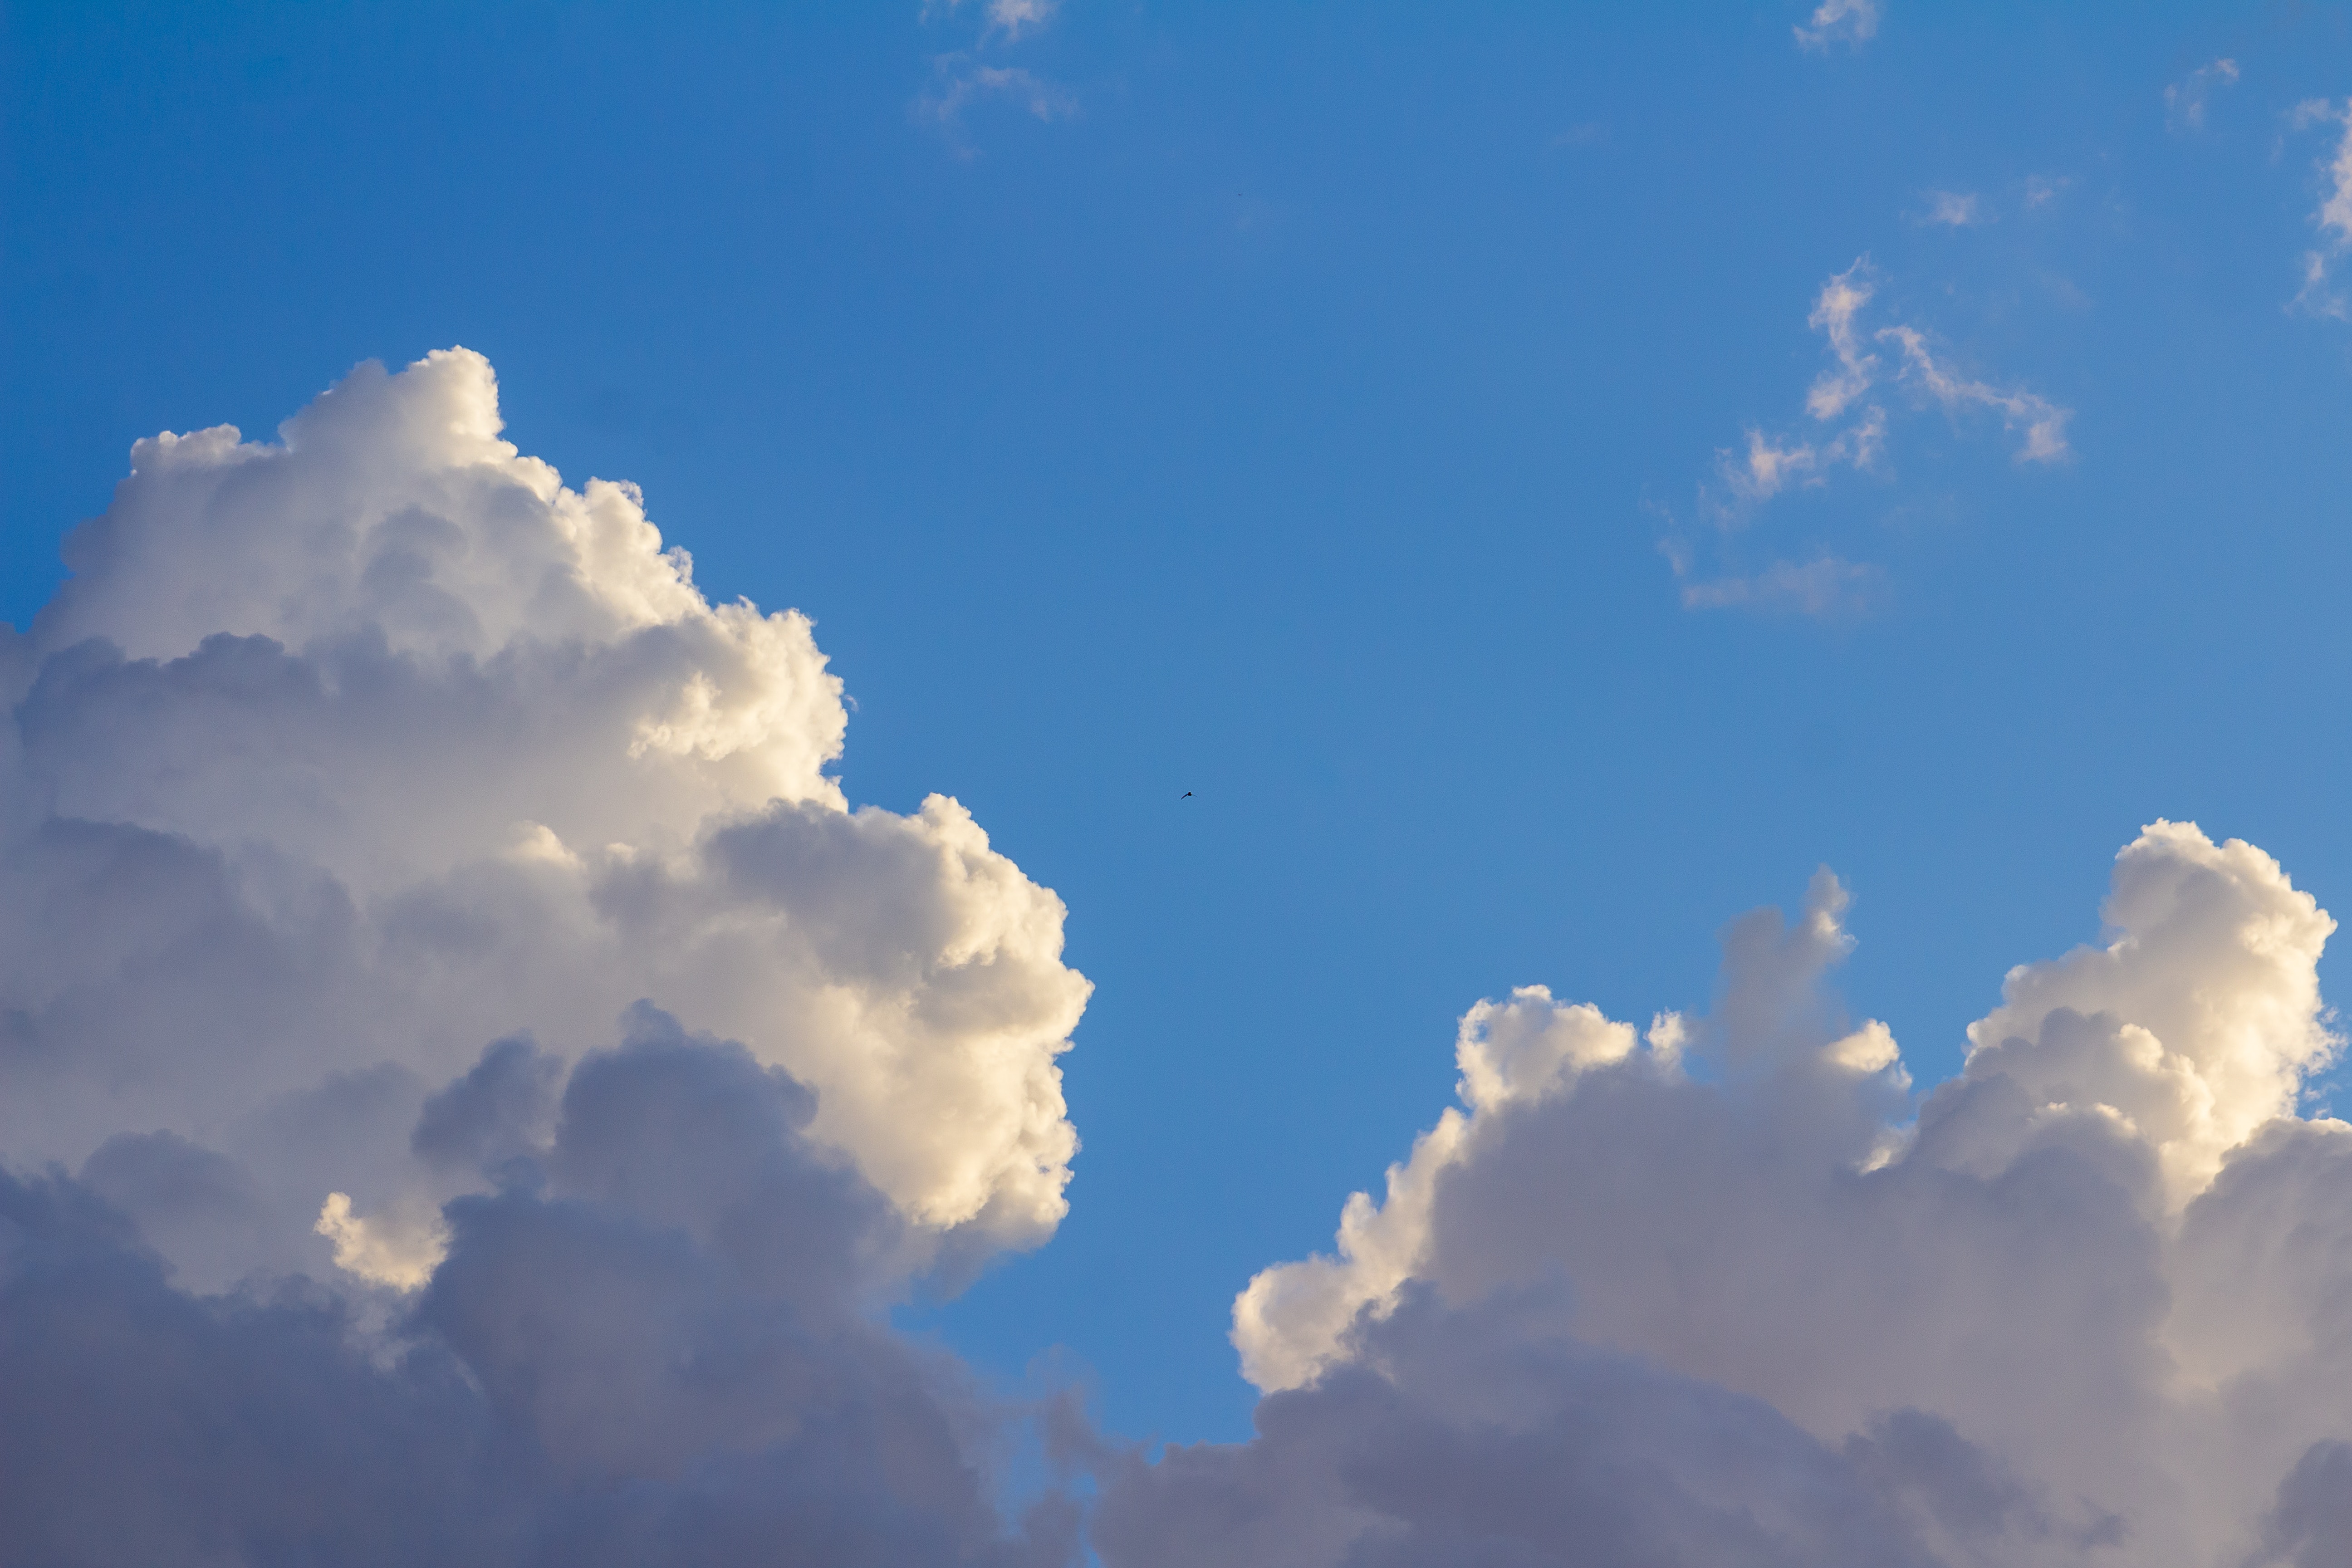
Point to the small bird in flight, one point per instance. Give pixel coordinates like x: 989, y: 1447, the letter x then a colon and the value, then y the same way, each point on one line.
x: 1186, y: 795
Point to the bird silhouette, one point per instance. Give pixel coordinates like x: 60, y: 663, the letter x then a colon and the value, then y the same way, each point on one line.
x: 1186, y: 795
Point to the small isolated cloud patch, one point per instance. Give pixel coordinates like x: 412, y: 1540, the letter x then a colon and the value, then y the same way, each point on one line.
x: 1818, y: 588
x: 2185, y: 101
x: 2319, y: 296
x: 2041, y: 424
x: 1013, y: 17
x: 1956, y: 209
x: 1003, y: 18
x: 1858, y: 369
x: 963, y: 81
x: 1848, y: 22
x: 2041, y: 190
x: 1850, y: 431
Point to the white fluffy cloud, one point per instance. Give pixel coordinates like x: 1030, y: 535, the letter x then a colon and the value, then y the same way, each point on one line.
x: 648, y: 1341
x: 1724, y: 1292
x: 342, y: 756
x: 363, y: 789
x: 468, y: 1083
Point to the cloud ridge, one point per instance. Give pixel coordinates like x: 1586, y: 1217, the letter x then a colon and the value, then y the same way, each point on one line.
x: 354, y: 786
x: 2045, y: 1313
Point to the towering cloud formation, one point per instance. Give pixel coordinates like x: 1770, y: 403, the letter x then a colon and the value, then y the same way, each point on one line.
x: 409, y: 882
x: 348, y: 754
x: 1709, y: 1297
x: 469, y: 1084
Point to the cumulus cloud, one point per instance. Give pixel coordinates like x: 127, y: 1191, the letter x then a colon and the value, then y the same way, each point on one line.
x: 382, y: 1252
x: 1727, y: 1290
x: 340, y: 755
x: 354, y: 786
x: 2184, y: 101
x: 471, y: 1088
x: 649, y: 1345
x: 1848, y: 22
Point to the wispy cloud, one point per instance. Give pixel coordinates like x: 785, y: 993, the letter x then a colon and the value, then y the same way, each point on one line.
x: 2043, y: 422
x: 1770, y: 467
x: 2184, y: 101
x: 1823, y: 586
x: 1956, y: 209
x: 1834, y: 312
x: 1011, y: 18
x: 1848, y: 22
x: 964, y: 82
x: 2313, y: 111
x: 1007, y: 18
x: 961, y: 80
x: 1857, y: 369
x: 1851, y: 432
x: 2041, y: 190
x: 2318, y: 297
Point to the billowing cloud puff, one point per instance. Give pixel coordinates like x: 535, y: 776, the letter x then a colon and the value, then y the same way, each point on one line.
x: 1726, y: 1291
x: 469, y: 1087
x: 646, y: 1344
x: 340, y: 756
x: 355, y: 786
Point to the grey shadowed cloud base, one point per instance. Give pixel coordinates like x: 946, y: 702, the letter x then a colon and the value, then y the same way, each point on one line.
x: 471, y: 1089
x: 645, y: 1345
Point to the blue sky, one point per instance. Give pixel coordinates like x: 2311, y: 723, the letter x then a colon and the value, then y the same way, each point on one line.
x: 1298, y: 405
